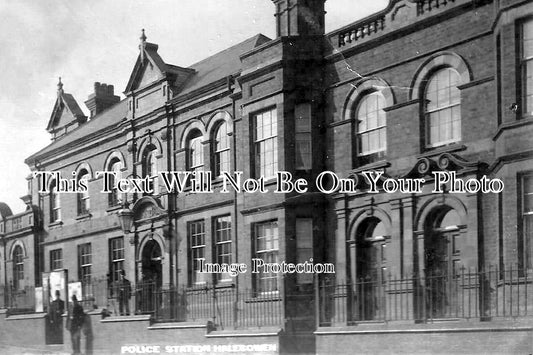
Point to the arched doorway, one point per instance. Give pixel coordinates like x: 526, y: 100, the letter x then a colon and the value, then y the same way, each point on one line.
x: 151, y: 278
x: 370, y: 268
x: 151, y: 267
x: 441, y: 261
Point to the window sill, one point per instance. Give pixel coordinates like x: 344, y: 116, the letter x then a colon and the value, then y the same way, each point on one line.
x: 377, y: 165
x: 113, y: 208
x: 84, y: 216
x: 57, y: 223
x: 438, y: 150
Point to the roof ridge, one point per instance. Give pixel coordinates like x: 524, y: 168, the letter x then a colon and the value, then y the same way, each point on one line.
x: 249, y: 39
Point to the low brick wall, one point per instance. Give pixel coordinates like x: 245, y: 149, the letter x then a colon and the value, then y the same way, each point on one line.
x: 135, y: 334
x: 512, y: 337
x: 26, y: 330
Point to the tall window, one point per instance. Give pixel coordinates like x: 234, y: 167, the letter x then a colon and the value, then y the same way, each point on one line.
x: 85, y: 262
x: 150, y: 167
x: 56, y: 259
x: 116, y: 257
x: 526, y: 244
x: 221, y: 149
x: 114, y: 197
x: 302, y: 113
x: 304, y: 246
x: 526, y: 63
x: 266, y: 143
x: 222, y: 226
x: 443, y: 108
x: 266, y: 243
x: 371, y: 129
x: 83, y: 197
x: 55, y: 207
x: 196, y: 234
x: 18, y: 267
x: 195, y: 152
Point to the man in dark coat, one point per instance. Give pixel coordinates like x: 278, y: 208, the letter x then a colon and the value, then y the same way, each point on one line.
x: 124, y: 294
x: 55, y: 317
x: 76, y: 323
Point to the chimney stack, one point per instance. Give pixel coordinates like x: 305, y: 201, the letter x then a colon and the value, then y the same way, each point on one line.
x: 102, y: 98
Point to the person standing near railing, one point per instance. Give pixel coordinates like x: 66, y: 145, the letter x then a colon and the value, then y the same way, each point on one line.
x: 55, y: 318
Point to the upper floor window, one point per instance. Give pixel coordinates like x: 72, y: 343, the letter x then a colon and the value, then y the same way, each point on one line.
x: 372, y: 129
x: 55, y: 207
x: 56, y: 259
x: 221, y: 149
x: 114, y: 196
x: 526, y: 64
x: 265, y: 126
x: 302, y: 113
x: 18, y: 267
x: 150, y: 167
x: 195, y: 152
x: 443, y: 108
x: 83, y: 197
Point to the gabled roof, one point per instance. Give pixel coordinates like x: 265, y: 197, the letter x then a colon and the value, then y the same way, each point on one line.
x: 221, y: 65
x: 209, y: 70
x: 67, y: 101
x: 149, y: 55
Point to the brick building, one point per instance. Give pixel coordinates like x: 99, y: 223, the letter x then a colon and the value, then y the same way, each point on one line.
x: 422, y: 86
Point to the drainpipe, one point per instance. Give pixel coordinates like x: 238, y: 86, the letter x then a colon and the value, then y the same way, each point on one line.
x: 171, y: 195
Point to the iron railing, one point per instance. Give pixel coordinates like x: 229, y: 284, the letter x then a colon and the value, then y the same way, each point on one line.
x: 226, y: 308
x: 17, y: 300
x: 468, y: 294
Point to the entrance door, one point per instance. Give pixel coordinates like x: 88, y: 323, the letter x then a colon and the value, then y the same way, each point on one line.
x: 370, y: 270
x: 441, y: 258
x: 152, y: 277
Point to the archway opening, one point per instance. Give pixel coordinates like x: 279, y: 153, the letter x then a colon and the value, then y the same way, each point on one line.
x: 370, y: 269
x: 441, y: 260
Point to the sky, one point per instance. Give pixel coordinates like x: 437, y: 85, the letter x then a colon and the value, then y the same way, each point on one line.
x: 87, y: 41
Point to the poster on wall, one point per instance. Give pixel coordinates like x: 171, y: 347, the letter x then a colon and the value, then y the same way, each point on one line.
x: 58, y: 282
x: 39, y: 306
x: 74, y: 289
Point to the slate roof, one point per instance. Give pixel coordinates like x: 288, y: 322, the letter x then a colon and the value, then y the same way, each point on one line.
x: 213, y: 68
x: 108, y: 118
x: 220, y: 65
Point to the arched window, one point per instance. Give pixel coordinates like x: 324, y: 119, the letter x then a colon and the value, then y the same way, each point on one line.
x: 221, y: 149
x: 55, y: 206
x: 150, y: 167
x: 83, y: 197
x: 443, y: 108
x: 18, y: 267
x: 195, y: 153
x: 372, y: 125
x: 116, y: 167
